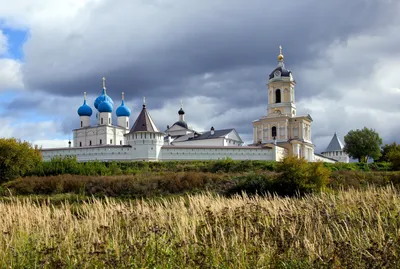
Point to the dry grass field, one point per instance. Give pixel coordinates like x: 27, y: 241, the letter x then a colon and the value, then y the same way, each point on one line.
x: 346, y: 229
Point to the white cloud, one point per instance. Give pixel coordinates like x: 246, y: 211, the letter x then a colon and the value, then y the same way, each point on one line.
x: 43, y: 133
x: 10, y: 74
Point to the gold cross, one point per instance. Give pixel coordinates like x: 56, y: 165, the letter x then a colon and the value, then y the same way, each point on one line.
x: 123, y: 95
x: 104, y: 82
x: 84, y: 96
x: 280, y: 49
x: 181, y: 104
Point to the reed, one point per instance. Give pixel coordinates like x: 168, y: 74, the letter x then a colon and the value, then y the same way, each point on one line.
x: 347, y: 229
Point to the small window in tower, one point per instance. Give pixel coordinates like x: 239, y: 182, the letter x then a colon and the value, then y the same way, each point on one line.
x: 120, y: 142
x: 100, y: 142
x: 273, y: 132
x: 127, y: 124
x: 101, y: 120
x: 109, y: 120
x: 80, y: 144
x: 111, y: 141
x: 278, y: 96
x: 90, y: 142
x: 81, y: 124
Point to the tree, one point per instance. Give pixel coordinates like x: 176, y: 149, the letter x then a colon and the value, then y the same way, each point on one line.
x: 387, y: 150
x: 17, y: 158
x: 363, y: 144
x: 391, y: 153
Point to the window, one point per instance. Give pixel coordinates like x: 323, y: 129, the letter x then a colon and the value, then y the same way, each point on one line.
x: 120, y: 142
x: 111, y: 141
x: 101, y: 122
x: 109, y: 120
x: 127, y: 124
x: 135, y: 136
x: 100, y: 142
x: 81, y: 124
x: 274, y: 132
x: 90, y: 142
x: 278, y: 96
x: 80, y: 144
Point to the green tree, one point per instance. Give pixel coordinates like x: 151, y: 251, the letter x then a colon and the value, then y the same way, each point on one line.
x: 363, y: 144
x: 391, y: 153
x: 17, y: 158
x: 388, y: 150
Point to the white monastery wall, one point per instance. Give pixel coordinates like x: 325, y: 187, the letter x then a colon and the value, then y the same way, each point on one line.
x: 154, y: 152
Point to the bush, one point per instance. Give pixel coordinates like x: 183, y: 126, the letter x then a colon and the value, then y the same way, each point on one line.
x: 134, y: 186
x: 17, y: 158
x: 253, y: 184
x: 297, y: 176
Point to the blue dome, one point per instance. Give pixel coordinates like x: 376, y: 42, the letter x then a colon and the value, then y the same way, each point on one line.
x: 101, y: 98
x: 105, y: 106
x: 85, y: 110
x: 123, y: 111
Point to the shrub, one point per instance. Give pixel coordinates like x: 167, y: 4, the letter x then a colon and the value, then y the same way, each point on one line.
x: 253, y: 184
x: 17, y: 158
x: 297, y: 176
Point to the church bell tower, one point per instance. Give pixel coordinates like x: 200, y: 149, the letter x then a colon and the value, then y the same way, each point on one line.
x: 281, y: 90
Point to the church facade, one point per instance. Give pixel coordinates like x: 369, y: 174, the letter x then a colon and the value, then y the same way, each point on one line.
x: 281, y: 132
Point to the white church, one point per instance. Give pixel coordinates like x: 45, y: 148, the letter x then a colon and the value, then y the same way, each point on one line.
x: 281, y: 132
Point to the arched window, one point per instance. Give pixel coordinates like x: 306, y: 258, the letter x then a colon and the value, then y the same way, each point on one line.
x: 274, y: 132
x: 109, y: 120
x: 90, y: 142
x: 278, y: 96
x: 80, y: 144
x: 101, y: 120
x: 81, y: 124
x: 100, y: 142
x: 127, y: 124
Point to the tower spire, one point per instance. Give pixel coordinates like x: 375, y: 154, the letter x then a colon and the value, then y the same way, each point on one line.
x: 181, y: 104
x: 123, y: 96
x: 84, y: 96
x: 144, y: 101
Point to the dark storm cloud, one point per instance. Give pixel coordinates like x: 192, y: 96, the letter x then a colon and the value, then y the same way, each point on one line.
x: 242, y: 34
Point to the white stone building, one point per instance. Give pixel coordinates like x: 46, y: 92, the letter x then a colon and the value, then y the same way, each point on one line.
x: 335, y: 150
x: 278, y: 134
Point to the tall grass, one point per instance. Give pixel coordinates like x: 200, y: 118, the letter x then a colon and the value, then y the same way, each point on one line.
x: 349, y: 229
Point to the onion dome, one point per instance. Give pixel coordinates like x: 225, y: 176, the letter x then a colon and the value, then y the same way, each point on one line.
x: 280, y: 71
x: 105, y: 106
x: 181, y: 112
x: 85, y: 110
x: 122, y: 110
x: 103, y: 96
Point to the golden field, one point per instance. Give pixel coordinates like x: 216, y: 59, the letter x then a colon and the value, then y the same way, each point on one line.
x: 344, y: 229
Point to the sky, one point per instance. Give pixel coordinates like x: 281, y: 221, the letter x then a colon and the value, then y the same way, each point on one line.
x: 214, y: 55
